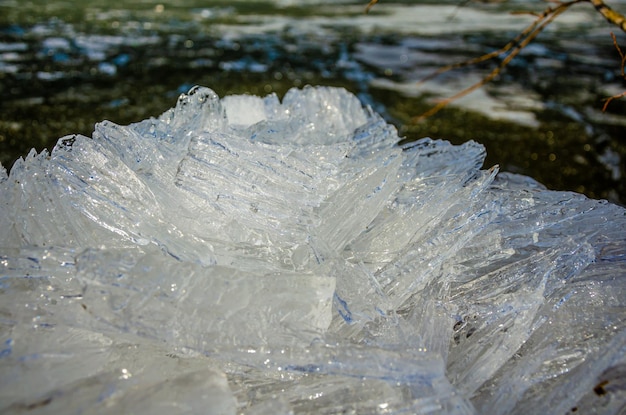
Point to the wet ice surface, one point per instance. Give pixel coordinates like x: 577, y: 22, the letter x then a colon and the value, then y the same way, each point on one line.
x: 246, y: 255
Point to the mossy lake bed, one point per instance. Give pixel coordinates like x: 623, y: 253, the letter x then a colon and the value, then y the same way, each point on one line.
x: 65, y: 66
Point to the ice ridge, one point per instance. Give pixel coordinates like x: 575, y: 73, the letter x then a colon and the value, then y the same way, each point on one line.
x: 258, y: 256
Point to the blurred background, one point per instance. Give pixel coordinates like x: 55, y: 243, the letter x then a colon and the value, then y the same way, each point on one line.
x: 66, y: 65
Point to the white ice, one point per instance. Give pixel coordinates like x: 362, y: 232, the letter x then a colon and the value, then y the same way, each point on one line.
x: 247, y: 255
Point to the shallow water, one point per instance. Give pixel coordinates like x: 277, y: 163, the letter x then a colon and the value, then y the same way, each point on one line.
x: 67, y: 65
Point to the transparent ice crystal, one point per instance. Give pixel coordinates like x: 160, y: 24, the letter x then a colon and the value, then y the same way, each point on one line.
x: 246, y: 255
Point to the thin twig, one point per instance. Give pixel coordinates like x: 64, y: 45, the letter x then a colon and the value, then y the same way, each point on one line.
x: 621, y: 54
x: 623, y: 63
x: 537, y: 27
x: 515, y: 46
x: 512, y: 44
x: 370, y: 5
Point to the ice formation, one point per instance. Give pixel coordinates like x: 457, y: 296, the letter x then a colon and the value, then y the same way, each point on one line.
x: 246, y: 255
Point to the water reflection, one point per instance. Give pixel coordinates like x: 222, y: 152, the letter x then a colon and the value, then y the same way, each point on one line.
x: 66, y: 65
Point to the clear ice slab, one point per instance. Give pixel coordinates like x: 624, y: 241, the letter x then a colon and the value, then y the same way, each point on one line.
x: 247, y: 255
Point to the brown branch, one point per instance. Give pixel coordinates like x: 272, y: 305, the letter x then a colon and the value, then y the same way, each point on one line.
x: 531, y: 32
x: 370, y: 5
x: 623, y: 63
x: 512, y: 44
x: 609, y: 99
x: 515, y: 46
x: 621, y: 54
x: 609, y: 14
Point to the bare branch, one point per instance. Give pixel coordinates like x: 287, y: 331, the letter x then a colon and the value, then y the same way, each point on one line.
x: 515, y: 42
x: 621, y: 54
x: 623, y: 62
x: 609, y: 14
x: 370, y: 5
x: 516, y: 46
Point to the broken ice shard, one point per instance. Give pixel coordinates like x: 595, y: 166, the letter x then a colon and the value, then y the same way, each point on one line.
x: 251, y: 255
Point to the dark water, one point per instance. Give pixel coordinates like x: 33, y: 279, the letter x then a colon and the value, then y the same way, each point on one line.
x: 67, y: 65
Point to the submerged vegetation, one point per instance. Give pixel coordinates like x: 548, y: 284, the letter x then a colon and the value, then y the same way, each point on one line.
x: 65, y: 66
